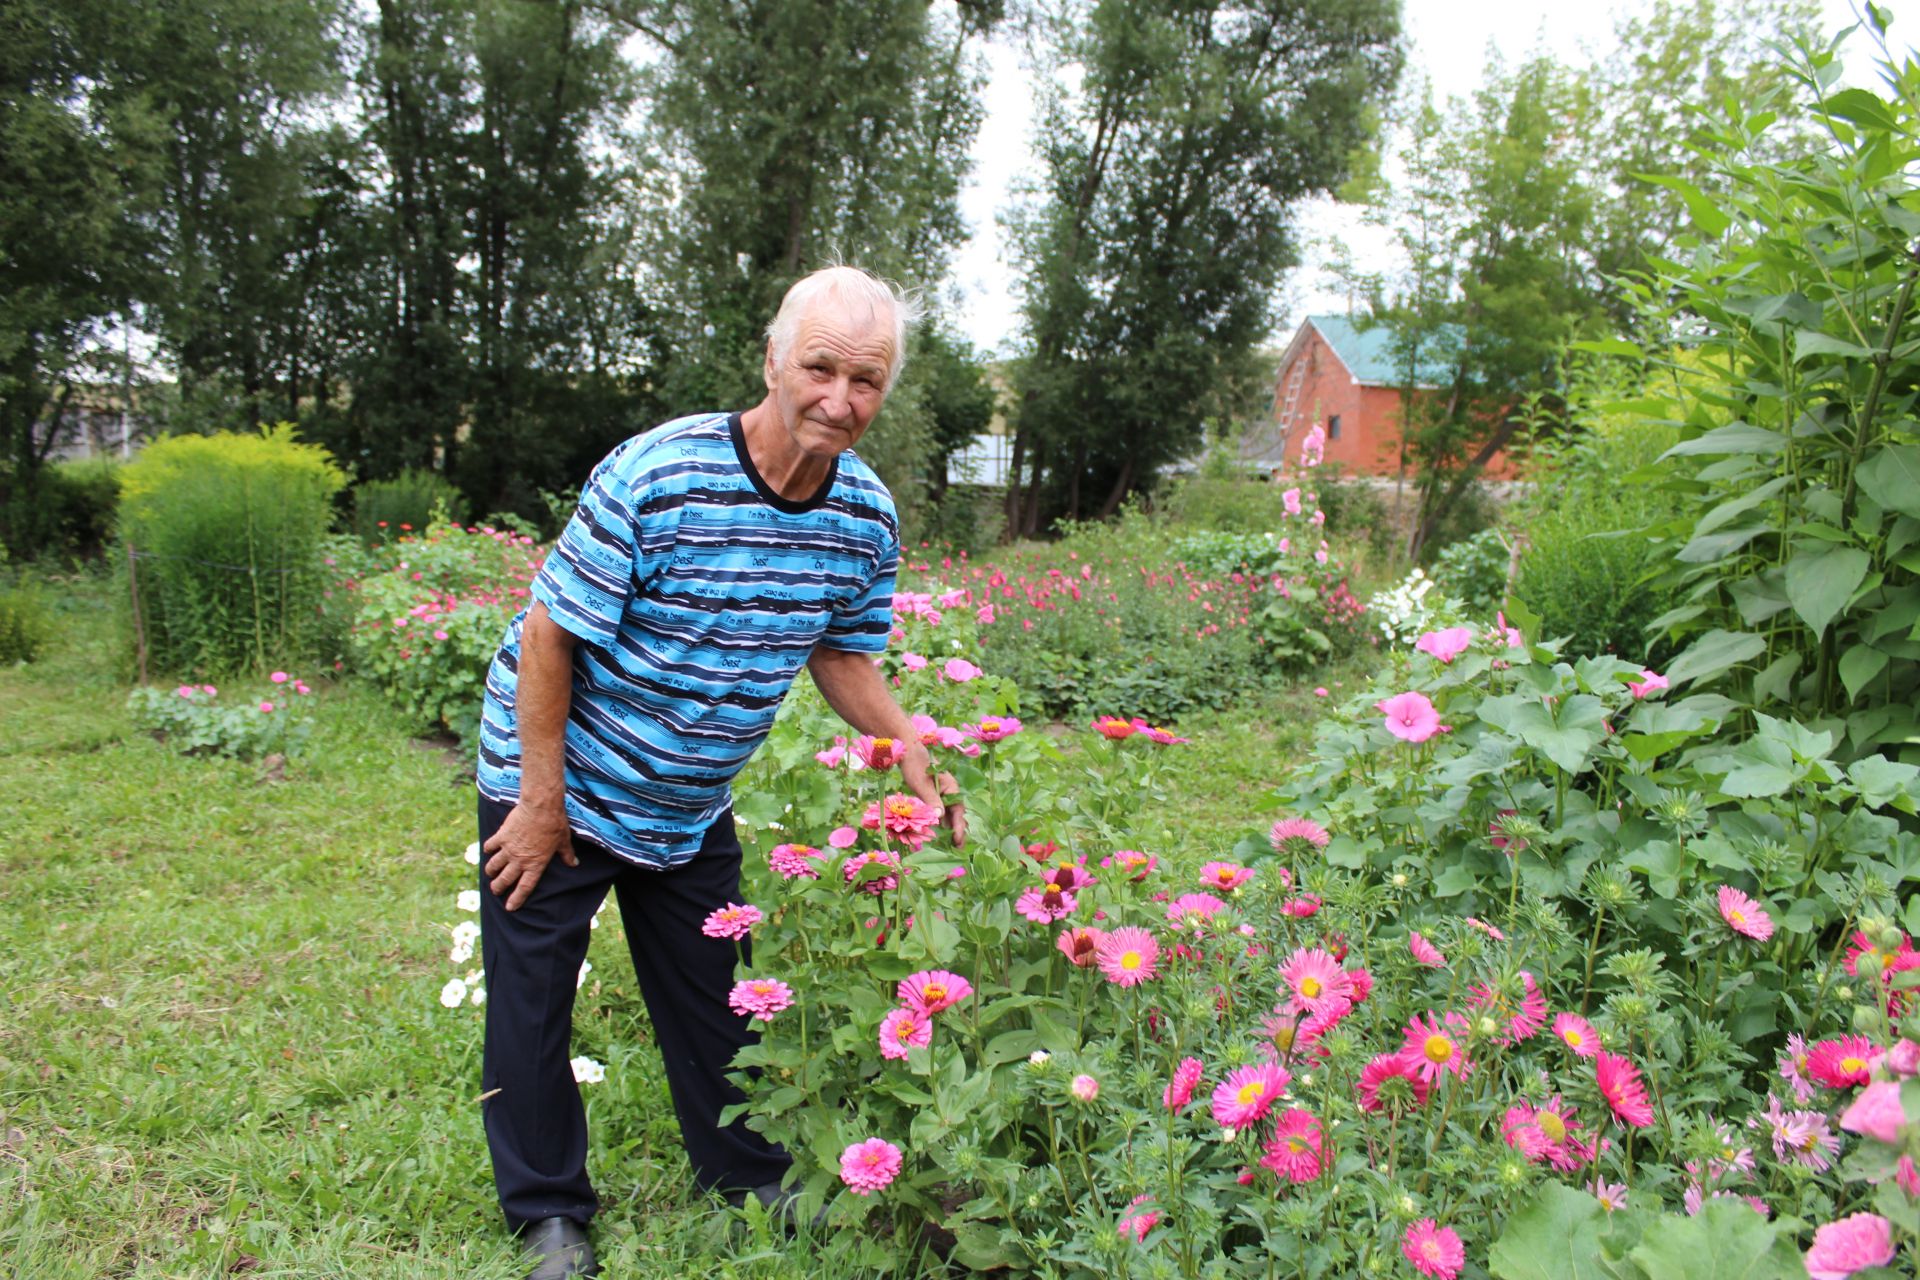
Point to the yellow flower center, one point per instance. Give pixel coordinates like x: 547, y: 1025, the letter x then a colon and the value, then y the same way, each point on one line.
x: 1735, y: 916
x: 1430, y: 1248
x: 1573, y: 1038
x: 883, y: 746
x: 1552, y: 1125
x: 1851, y: 1065
x: 933, y: 991
x: 1309, y: 987
x: 903, y: 1030
x: 900, y: 808
x: 1438, y: 1049
x: 1130, y: 961
x: 991, y: 726
x: 1809, y: 1141
x: 761, y: 988
x: 1251, y: 1091
x: 1296, y: 1144
x: 1283, y: 1039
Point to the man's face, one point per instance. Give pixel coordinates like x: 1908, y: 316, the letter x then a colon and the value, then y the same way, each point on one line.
x: 832, y: 380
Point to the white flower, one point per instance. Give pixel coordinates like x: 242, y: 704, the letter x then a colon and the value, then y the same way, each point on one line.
x: 478, y: 996
x: 472, y: 855
x: 1228, y: 1135
x: 1038, y: 1056
x: 461, y: 953
x: 587, y: 1071
x: 469, y: 900
x: 454, y: 994
x: 466, y: 933
x: 586, y: 967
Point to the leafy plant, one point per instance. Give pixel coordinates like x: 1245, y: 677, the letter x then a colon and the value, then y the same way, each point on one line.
x: 193, y: 719
x: 26, y: 627
x: 386, y: 509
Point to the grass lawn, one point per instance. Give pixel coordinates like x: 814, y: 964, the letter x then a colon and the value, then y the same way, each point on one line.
x: 221, y: 1048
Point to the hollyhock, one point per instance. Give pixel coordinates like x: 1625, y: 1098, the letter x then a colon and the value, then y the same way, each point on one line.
x: 1650, y: 681
x: 1079, y: 944
x: 1411, y: 717
x: 959, y: 670
x: 1620, y: 1085
x: 1577, y: 1034
x: 794, y: 861
x: 1315, y: 983
x: 1523, y: 1017
x: 732, y: 921
x: 932, y: 990
x: 1434, y: 1250
x: 1193, y: 909
x: 1433, y: 1047
x: 1743, y: 915
x: 1114, y: 727
x: 1391, y: 1082
x: 1445, y: 645
x: 1248, y: 1093
x: 912, y: 661
x: 1291, y: 501
x: 1045, y: 903
x: 1136, y: 1226
x: 1294, y: 837
x: 867, y: 1167
x: 843, y: 838
x: 1793, y: 1067
x: 904, y: 1029
x: 1179, y: 1090
x: 1225, y: 876
x: 1876, y: 1112
x: 1425, y: 952
x: 993, y: 728
x: 1294, y: 1150
x: 1128, y: 956
x: 1543, y: 1134
x: 1841, y: 1063
x: 833, y: 756
x: 906, y: 818
x: 1849, y: 1245
x: 760, y: 997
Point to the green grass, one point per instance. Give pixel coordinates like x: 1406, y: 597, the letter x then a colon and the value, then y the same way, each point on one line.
x: 221, y: 1049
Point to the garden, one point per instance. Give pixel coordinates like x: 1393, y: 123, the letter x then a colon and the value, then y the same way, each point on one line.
x: 1540, y: 908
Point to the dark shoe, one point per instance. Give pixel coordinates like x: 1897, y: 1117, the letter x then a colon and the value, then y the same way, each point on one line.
x: 560, y: 1250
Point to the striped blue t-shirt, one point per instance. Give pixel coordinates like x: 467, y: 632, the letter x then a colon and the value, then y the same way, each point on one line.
x: 697, y: 593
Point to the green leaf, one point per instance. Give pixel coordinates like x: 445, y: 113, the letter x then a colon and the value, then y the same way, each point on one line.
x: 1885, y: 782
x: 1812, y: 342
x: 1861, y: 107
x: 1713, y: 653
x: 1819, y: 583
x: 1891, y: 477
x: 1454, y: 881
x: 1610, y: 347
x: 1735, y: 437
x: 1752, y: 781
x: 1704, y: 210
x: 1727, y: 1240
x: 1566, y: 734
x: 1560, y: 1234
x: 1858, y: 666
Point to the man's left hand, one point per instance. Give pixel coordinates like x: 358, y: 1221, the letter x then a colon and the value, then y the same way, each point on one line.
x: 942, y: 792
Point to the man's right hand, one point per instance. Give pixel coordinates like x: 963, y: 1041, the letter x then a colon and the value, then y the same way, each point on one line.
x: 520, y: 850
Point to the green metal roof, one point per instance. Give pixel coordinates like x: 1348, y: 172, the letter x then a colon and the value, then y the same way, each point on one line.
x: 1369, y: 355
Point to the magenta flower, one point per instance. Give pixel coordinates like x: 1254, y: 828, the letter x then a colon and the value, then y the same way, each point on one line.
x: 1079, y: 944
x: 279, y: 677
x: 1193, y: 909
x: 1114, y: 727
x: 1046, y: 903
x: 1304, y: 907
x: 266, y: 708
x: 185, y: 691
x: 1841, y: 1063
x: 1248, y: 1093
x: 1577, y: 1034
x: 1524, y: 1017
x: 872, y: 871
x: 867, y: 1167
x: 1543, y: 1134
x: 1155, y: 734
x: 794, y: 861
x: 932, y: 990
x: 1411, y: 717
x: 843, y: 838
x: 1490, y: 930
x: 1793, y: 1067
x: 905, y: 818
x: 1433, y: 1046
x: 959, y: 670
x: 1434, y: 1250
x: 760, y: 998
x: 993, y: 728
x: 1294, y: 836
x: 1611, y: 1195
x: 1128, y: 956
x: 1800, y: 1136
x: 1876, y: 1112
x: 879, y: 753
x: 1620, y: 1085
x: 1225, y: 876
x: 1387, y: 1067
x: 1849, y: 1245
x: 1445, y: 645
x: 833, y: 756
x: 732, y: 921
x: 1743, y: 915
x: 1294, y: 1150
x: 1315, y: 982
x: 1425, y: 952
x: 904, y: 1029
x: 1650, y: 681
x: 1136, y: 1226
x: 1179, y: 1090
x: 1084, y: 1088
x: 1134, y: 864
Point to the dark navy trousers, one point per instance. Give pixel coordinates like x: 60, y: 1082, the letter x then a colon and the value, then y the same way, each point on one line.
x: 536, y: 1125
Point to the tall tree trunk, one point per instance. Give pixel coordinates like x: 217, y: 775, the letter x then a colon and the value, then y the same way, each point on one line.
x: 1119, y: 492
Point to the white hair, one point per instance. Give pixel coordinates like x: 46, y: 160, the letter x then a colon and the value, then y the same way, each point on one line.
x: 861, y: 293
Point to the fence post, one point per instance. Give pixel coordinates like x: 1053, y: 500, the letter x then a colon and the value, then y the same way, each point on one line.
x: 139, y: 627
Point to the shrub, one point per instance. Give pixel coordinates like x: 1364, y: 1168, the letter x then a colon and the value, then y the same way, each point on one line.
x: 192, y: 718
x: 227, y: 530
x: 1474, y: 570
x: 386, y: 509
x: 26, y: 628
x: 68, y: 511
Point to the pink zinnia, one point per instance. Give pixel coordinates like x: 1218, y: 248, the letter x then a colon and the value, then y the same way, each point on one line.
x: 1425, y: 952
x: 993, y: 728
x: 1650, y: 681
x: 1620, y: 1085
x: 1445, y: 645
x: 904, y: 1029
x: 1193, y: 909
x: 1248, y: 1093
x: 1743, y: 915
x: 794, y: 861
x: 1045, y: 903
x: 1385, y: 1067
x: 1841, y: 1063
x: 1128, y: 956
x: 1155, y: 734
x: 1296, y: 835
x: 872, y: 870
x: 932, y: 990
x: 1434, y: 1250
x: 1577, y: 1034
x: 1225, y: 876
x: 760, y: 998
x: 732, y: 921
x: 1317, y: 983
x: 868, y: 1166
x: 1294, y: 1150
x: 906, y: 818
x: 1433, y: 1048
x: 1114, y: 727
x: 1849, y: 1245
x: 1135, y: 864
x: 1179, y: 1090
x: 1079, y: 944
x: 1411, y: 717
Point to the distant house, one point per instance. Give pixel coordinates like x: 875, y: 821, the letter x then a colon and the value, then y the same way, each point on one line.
x: 1348, y: 380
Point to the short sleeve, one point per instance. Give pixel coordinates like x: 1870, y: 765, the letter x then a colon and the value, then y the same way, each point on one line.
x: 588, y: 577
x: 864, y: 624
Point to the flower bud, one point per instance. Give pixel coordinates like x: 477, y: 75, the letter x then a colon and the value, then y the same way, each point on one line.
x: 1868, y: 965
x: 1084, y: 1088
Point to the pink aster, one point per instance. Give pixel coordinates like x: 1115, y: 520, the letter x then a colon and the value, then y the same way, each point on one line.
x: 1411, y: 717
x: 1079, y: 944
x: 1248, y: 1093
x: 1193, y: 909
x: 1315, y: 982
x: 1225, y: 876
x: 1387, y: 1067
x: 1743, y: 915
x: 1445, y: 645
x: 1293, y: 1152
x: 1425, y: 952
x: 760, y: 998
x: 992, y: 728
x: 1434, y: 1047
x: 1136, y: 1226
x: 1294, y: 836
x: 1045, y: 903
x: 732, y: 921
x: 1490, y: 930
x: 1304, y: 907
x: 1434, y: 1250
x: 1650, y: 681
x: 794, y: 861
x: 1544, y: 1134
x: 1793, y: 1067
x: 906, y: 818
x: 867, y: 1167
x: 932, y: 990
x: 1577, y: 1034
x: 1611, y: 1195
x: 1849, y: 1245
x: 1840, y: 1063
x: 1620, y: 1085
x: 904, y: 1029
x: 1179, y: 1090
x: 1128, y: 956
x: 1523, y: 1017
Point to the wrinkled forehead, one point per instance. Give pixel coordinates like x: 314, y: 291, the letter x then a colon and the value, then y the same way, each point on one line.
x: 855, y: 333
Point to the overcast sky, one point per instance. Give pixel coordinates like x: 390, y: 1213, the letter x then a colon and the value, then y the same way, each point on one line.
x: 1448, y: 41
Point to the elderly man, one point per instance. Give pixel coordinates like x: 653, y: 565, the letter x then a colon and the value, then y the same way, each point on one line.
x: 710, y: 559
